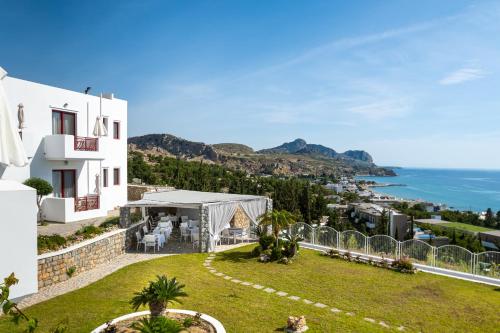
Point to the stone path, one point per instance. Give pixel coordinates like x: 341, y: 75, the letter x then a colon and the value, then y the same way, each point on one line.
x: 208, y: 264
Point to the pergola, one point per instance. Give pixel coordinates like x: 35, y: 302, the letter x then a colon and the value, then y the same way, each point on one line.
x: 215, y: 210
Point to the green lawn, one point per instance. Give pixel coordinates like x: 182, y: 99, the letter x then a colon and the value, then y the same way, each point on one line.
x: 464, y: 226
x: 421, y: 302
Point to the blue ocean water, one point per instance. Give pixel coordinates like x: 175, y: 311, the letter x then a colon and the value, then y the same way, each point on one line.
x: 474, y: 190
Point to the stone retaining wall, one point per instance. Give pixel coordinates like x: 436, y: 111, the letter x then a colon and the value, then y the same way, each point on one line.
x: 53, y: 267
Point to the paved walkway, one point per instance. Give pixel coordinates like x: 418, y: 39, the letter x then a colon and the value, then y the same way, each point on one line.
x: 208, y: 265
x: 85, y: 278
x: 67, y: 229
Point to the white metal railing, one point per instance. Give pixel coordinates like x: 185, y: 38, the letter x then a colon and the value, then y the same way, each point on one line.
x: 449, y: 257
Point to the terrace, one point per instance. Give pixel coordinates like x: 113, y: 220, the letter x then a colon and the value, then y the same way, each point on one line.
x: 334, y: 295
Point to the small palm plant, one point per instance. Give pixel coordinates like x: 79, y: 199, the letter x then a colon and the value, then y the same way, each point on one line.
x: 293, y: 246
x: 157, y: 325
x: 158, y: 295
x: 277, y: 220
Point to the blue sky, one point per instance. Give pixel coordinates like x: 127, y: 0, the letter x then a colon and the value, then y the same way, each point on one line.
x: 415, y: 83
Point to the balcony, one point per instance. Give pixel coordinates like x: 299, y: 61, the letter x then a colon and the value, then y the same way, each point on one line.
x: 72, y: 209
x: 60, y: 147
x: 86, y: 203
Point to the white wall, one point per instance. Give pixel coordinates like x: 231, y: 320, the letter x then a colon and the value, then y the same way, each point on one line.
x: 18, y: 250
x: 39, y: 101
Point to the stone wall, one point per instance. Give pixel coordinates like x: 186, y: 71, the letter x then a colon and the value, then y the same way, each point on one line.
x: 240, y: 219
x: 53, y: 267
x: 135, y: 192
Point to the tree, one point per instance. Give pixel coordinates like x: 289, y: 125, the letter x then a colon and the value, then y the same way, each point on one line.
x: 42, y: 188
x: 381, y: 228
x: 158, y: 294
x: 277, y: 220
x: 489, y: 219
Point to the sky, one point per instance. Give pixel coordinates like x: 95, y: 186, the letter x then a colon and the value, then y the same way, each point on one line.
x: 414, y: 83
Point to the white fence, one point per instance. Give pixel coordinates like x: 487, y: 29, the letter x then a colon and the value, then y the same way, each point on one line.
x: 450, y: 257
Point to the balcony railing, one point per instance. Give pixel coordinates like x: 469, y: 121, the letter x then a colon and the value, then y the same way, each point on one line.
x: 86, y: 203
x: 86, y: 144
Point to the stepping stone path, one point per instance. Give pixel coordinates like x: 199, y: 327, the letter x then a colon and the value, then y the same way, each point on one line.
x: 211, y: 257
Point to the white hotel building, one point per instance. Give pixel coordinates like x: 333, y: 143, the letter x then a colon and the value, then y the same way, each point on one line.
x: 88, y: 172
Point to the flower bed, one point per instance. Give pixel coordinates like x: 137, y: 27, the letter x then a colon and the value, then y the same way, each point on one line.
x: 200, y: 323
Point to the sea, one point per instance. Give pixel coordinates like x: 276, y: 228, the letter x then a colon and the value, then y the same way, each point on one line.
x: 460, y: 189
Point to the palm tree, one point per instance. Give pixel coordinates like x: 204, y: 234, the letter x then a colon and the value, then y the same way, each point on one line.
x: 158, y: 295
x: 278, y: 220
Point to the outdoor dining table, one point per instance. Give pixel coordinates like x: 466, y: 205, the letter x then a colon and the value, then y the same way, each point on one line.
x: 236, y: 232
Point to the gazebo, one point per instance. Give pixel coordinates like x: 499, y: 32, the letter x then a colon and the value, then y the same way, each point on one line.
x: 213, y: 210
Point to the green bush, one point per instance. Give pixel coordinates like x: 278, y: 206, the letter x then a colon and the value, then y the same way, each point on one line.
x: 276, y: 253
x: 89, y: 231
x: 51, y: 243
x: 256, y: 251
x: 188, y: 322
x: 266, y: 241
x: 111, y: 221
x: 157, y: 325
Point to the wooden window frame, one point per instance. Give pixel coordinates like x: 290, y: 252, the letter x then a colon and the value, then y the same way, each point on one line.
x: 61, y: 129
x: 116, y: 182
x: 62, y: 171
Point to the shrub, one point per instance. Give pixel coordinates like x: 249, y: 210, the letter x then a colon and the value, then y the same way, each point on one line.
x: 158, y: 294
x: 266, y: 241
x: 89, y: 231
x: 70, y: 271
x: 110, y: 222
x: 157, y: 325
x: 403, y: 265
x: 276, y: 253
x: 256, y: 251
x: 188, y: 322
x: 50, y: 243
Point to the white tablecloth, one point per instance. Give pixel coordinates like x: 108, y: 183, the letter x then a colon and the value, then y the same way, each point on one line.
x: 160, y: 237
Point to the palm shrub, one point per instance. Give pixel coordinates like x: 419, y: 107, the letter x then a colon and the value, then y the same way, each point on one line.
x: 266, y: 241
x: 293, y: 245
x: 277, y: 220
x: 158, y: 295
x: 157, y: 325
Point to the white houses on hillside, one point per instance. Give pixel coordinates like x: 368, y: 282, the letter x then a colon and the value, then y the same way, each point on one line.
x: 64, y: 136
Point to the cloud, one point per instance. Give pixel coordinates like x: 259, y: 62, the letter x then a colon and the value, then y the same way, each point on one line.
x: 380, y: 110
x: 462, y: 75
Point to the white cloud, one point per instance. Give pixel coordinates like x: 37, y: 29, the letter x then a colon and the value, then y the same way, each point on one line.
x: 382, y: 110
x: 462, y: 75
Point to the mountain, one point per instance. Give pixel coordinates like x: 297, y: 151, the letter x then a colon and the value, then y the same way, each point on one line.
x: 301, y: 147
x: 291, y: 158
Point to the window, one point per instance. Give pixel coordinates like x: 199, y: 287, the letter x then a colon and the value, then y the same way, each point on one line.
x: 64, y: 183
x: 63, y: 122
x: 116, y: 130
x: 105, y: 122
x: 116, y: 176
x: 105, y: 182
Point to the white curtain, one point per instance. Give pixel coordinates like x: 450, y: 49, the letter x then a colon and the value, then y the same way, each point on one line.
x: 219, y: 217
x: 11, y: 147
x: 254, y: 208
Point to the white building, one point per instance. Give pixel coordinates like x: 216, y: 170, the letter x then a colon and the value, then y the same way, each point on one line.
x: 88, y: 172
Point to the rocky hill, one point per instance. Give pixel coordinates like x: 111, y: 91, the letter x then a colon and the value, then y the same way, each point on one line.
x: 292, y: 158
x: 301, y: 147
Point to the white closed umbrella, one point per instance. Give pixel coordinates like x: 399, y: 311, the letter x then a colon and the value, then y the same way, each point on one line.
x: 99, y: 128
x: 11, y: 147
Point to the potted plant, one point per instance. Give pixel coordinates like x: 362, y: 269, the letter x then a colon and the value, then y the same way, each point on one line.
x: 158, y: 295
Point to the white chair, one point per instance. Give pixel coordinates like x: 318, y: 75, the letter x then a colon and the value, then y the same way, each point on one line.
x: 193, y: 223
x: 184, y: 218
x: 184, y: 225
x: 139, y: 240
x: 150, y: 241
x: 184, y: 232
x: 145, y: 229
x: 195, y: 239
x: 225, y: 235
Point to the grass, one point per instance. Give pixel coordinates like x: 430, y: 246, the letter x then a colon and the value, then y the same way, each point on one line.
x: 464, y: 226
x: 421, y: 302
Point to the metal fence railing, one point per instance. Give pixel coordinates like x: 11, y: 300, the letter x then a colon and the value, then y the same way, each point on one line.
x: 450, y: 257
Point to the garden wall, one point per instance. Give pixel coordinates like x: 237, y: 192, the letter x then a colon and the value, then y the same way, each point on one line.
x: 53, y: 267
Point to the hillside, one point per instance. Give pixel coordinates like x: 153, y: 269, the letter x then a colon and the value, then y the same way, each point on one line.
x: 293, y: 158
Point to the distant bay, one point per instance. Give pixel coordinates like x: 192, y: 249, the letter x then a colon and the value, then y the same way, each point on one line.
x: 460, y: 189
